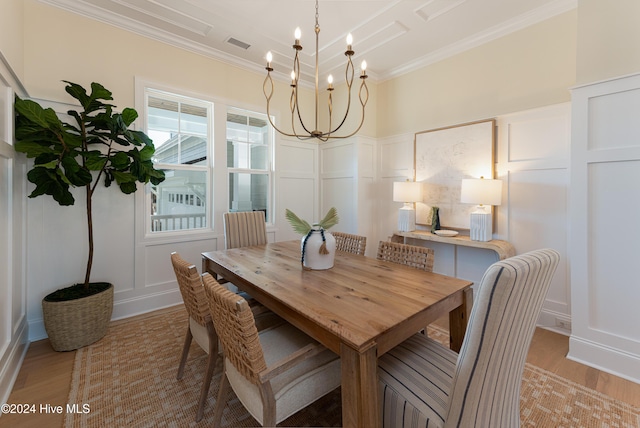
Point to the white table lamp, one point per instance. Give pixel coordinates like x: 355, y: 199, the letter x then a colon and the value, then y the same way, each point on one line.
x: 482, y: 192
x: 407, y: 192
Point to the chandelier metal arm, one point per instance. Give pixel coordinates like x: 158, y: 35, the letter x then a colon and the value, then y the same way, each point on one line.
x: 268, y: 97
x: 349, y: 82
x: 294, y: 95
x: 363, y: 93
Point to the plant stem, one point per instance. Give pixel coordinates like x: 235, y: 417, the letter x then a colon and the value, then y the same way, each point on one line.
x: 85, y: 147
x: 90, y: 231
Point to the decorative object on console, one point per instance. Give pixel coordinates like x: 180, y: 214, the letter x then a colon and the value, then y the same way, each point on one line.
x: 435, y: 219
x: 446, y: 233
x: 307, y: 132
x: 407, y: 192
x: 482, y: 192
x: 318, y: 246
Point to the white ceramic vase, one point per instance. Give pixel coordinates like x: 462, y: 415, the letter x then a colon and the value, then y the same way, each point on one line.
x: 315, y: 255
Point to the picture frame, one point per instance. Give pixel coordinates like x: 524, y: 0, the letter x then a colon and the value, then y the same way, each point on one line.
x: 442, y: 158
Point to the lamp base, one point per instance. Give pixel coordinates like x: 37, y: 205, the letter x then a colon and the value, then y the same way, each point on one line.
x: 406, y: 219
x: 481, y: 226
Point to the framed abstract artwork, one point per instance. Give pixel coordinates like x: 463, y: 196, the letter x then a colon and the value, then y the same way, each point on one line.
x: 442, y: 158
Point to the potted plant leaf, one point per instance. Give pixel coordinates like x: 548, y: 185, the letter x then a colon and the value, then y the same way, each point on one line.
x: 97, y: 146
x: 317, y: 246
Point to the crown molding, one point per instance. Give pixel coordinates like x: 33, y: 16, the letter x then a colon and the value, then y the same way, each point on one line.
x: 523, y: 21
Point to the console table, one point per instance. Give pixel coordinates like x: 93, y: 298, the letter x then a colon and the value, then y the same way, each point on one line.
x: 503, y: 249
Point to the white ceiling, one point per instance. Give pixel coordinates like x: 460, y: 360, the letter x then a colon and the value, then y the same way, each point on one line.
x: 394, y: 36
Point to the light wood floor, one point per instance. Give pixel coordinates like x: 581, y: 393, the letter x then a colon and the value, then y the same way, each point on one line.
x: 45, y: 377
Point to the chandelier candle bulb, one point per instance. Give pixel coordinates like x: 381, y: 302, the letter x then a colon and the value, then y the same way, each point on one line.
x: 269, y: 59
x: 363, y: 67
x: 349, y: 44
x: 296, y: 35
x: 330, y: 81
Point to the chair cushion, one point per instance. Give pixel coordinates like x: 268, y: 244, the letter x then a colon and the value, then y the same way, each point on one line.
x: 296, y: 388
x: 415, y: 379
x: 200, y: 334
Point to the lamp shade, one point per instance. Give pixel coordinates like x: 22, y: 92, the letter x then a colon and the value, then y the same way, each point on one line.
x: 481, y: 191
x: 407, y: 191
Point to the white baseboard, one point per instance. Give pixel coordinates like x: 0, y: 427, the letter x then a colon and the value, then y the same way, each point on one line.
x: 605, y: 358
x: 555, y: 321
x: 11, y: 361
x: 147, y: 303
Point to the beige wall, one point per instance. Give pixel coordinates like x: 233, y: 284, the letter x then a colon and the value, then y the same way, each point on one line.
x: 530, y: 68
x: 11, y: 45
x: 608, y: 39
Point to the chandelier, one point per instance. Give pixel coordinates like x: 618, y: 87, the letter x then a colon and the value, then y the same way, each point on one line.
x: 298, y: 128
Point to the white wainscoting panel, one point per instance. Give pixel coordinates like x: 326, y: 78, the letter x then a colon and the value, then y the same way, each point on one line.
x: 367, y: 192
x: 614, y: 246
x: 347, y: 176
x: 340, y: 192
x: 538, y: 214
x: 297, y: 185
x: 539, y: 135
x: 339, y: 181
x: 605, y: 238
x: 14, y: 330
x: 533, y: 162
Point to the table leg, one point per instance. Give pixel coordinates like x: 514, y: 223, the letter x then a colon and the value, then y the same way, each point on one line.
x: 458, y: 319
x: 360, y: 407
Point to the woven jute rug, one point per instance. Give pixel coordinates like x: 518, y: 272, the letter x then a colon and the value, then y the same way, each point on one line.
x: 128, y: 379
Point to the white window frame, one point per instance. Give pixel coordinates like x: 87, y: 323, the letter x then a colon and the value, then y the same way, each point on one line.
x: 207, y: 168
x: 143, y: 202
x: 269, y: 171
x: 218, y: 177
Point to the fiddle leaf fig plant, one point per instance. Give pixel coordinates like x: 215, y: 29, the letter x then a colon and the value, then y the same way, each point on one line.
x: 96, y: 146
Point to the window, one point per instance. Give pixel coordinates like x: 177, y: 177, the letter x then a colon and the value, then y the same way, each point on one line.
x: 249, y: 161
x: 181, y: 130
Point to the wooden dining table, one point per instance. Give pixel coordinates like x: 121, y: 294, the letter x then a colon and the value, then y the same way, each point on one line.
x: 360, y: 308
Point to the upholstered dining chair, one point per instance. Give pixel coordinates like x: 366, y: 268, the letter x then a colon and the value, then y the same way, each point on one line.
x: 410, y: 255
x: 274, y: 373
x: 349, y: 243
x: 423, y: 383
x: 200, y: 325
x: 244, y: 229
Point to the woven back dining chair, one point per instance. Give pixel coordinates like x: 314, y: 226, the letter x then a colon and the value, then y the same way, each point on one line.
x: 349, y: 243
x: 275, y: 372
x: 200, y: 325
x: 244, y: 229
x: 409, y: 255
x: 423, y: 383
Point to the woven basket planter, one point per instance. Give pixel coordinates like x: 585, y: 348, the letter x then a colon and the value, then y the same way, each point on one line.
x: 72, y: 324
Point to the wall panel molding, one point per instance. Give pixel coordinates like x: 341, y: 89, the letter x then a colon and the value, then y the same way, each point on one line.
x: 605, y: 172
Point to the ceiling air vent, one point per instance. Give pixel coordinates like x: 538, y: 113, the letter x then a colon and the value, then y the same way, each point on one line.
x: 238, y: 43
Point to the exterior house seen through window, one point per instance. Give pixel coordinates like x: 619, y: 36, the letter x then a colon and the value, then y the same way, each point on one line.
x: 180, y: 128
